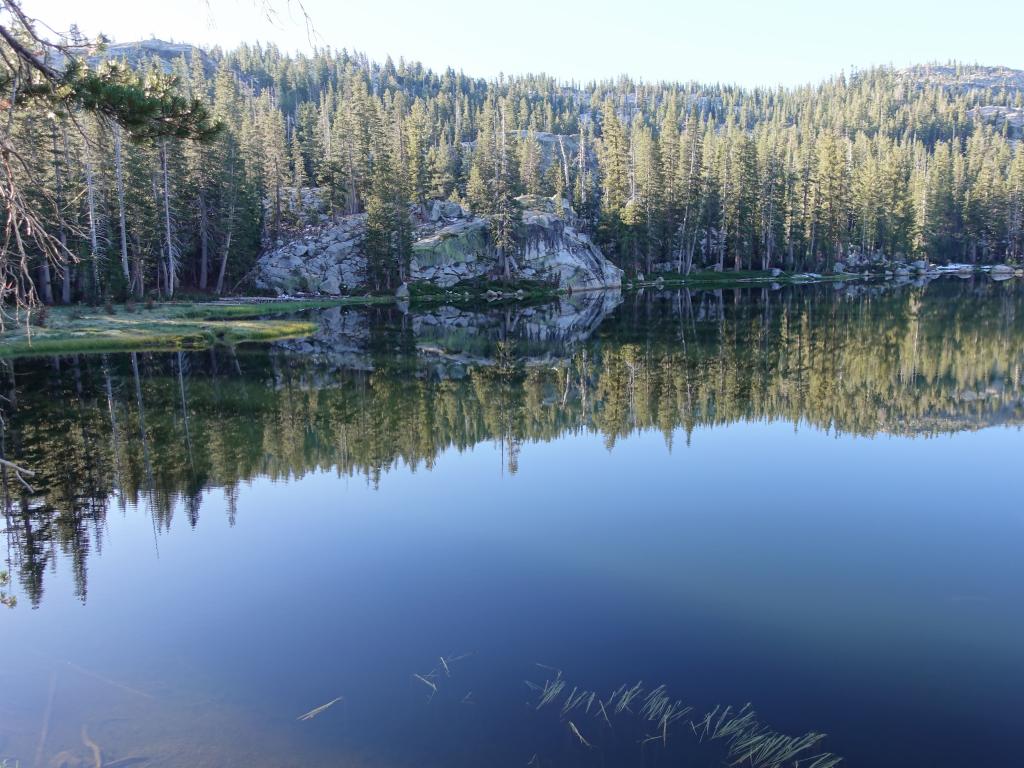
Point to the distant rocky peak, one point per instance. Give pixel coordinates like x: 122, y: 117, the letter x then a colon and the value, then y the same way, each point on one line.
x: 140, y: 52
x: 965, y: 77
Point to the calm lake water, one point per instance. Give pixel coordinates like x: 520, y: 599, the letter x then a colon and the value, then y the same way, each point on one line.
x: 806, y: 499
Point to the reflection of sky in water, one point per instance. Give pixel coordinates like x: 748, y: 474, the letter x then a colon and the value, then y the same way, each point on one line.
x: 868, y: 588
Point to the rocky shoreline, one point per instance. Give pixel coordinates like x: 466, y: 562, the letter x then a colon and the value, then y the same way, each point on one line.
x: 453, y: 259
x: 452, y: 249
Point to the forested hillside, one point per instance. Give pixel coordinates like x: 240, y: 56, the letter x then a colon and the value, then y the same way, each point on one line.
x: 924, y: 163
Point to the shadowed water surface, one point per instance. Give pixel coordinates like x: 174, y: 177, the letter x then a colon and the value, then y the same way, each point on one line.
x: 802, y: 498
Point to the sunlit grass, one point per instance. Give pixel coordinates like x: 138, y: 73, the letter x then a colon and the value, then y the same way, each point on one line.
x: 165, y: 326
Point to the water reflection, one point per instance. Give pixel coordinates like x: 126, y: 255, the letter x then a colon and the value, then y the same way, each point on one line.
x: 220, y: 542
x: 375, y: 388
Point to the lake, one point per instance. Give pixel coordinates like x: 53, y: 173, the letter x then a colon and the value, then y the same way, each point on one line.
x: 562, y: 535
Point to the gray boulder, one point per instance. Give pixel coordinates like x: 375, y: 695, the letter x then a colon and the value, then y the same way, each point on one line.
x: 445, y: 209
x: 1001, y: 272
x: 452, y: 249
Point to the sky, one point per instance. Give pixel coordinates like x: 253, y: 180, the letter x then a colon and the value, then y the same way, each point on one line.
x: 772, y: 42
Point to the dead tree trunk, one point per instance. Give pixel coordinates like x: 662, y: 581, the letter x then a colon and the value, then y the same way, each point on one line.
x: 119, y: 182
x: 172, y: 251
x: 58, y: 176
x: 90, y: 196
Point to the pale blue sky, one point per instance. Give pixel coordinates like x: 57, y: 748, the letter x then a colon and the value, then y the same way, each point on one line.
x: 777, y: 41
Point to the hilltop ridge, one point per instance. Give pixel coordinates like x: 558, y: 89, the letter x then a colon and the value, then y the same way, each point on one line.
x: 949, y: 75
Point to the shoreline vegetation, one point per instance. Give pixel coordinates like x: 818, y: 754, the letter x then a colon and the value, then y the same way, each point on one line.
x: 200, y: 324
x: 162, y: 327
x: 234, y: 170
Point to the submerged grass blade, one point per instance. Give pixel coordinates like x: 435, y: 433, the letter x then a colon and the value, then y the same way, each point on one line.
x: 551, y: 692
x: 627, y: 697
x: 430, y: 684
x: 317, y: 710
x: 576, y: 732
x: 568, y: 702
x: 748, y: 743
x: 556, y: 670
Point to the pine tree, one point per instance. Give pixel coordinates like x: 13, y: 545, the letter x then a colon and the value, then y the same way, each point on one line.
x: 388, y: 226
x: 688, y: 173
x: 763, y: 177
x: 441, y: 170
x: 1015, y: 206
x: 938, y: 204
x: 417, y: 136
x: 529, y: 164
x: 615, y: 170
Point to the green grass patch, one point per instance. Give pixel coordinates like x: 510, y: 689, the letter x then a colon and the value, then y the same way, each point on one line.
x: 227, y: 309
x: 165, y: 326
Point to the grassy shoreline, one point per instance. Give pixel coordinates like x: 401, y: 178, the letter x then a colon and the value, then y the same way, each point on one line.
x: 170, y: 326
x: 163, y: 327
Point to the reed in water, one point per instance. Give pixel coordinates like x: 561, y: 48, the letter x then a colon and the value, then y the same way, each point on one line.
x: 748, y: 742
x: 318, y: 710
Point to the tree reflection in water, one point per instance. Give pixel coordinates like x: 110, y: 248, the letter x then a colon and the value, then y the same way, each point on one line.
x: 378, y: 388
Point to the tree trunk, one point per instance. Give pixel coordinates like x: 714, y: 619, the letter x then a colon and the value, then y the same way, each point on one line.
x: 223, y: 264
x: 119, y: 180
x: 581, y: 175
x: 230, y: 227
x: 565, y: 168
x: 45, y: 284
x: 682, y: 239
x: 277, y: 199
x: 65, y: 286
x: 172, y: 256
x: 204, y: 243
x: 90, y: 196
x: 58, y: 177
x: 811, y: 251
